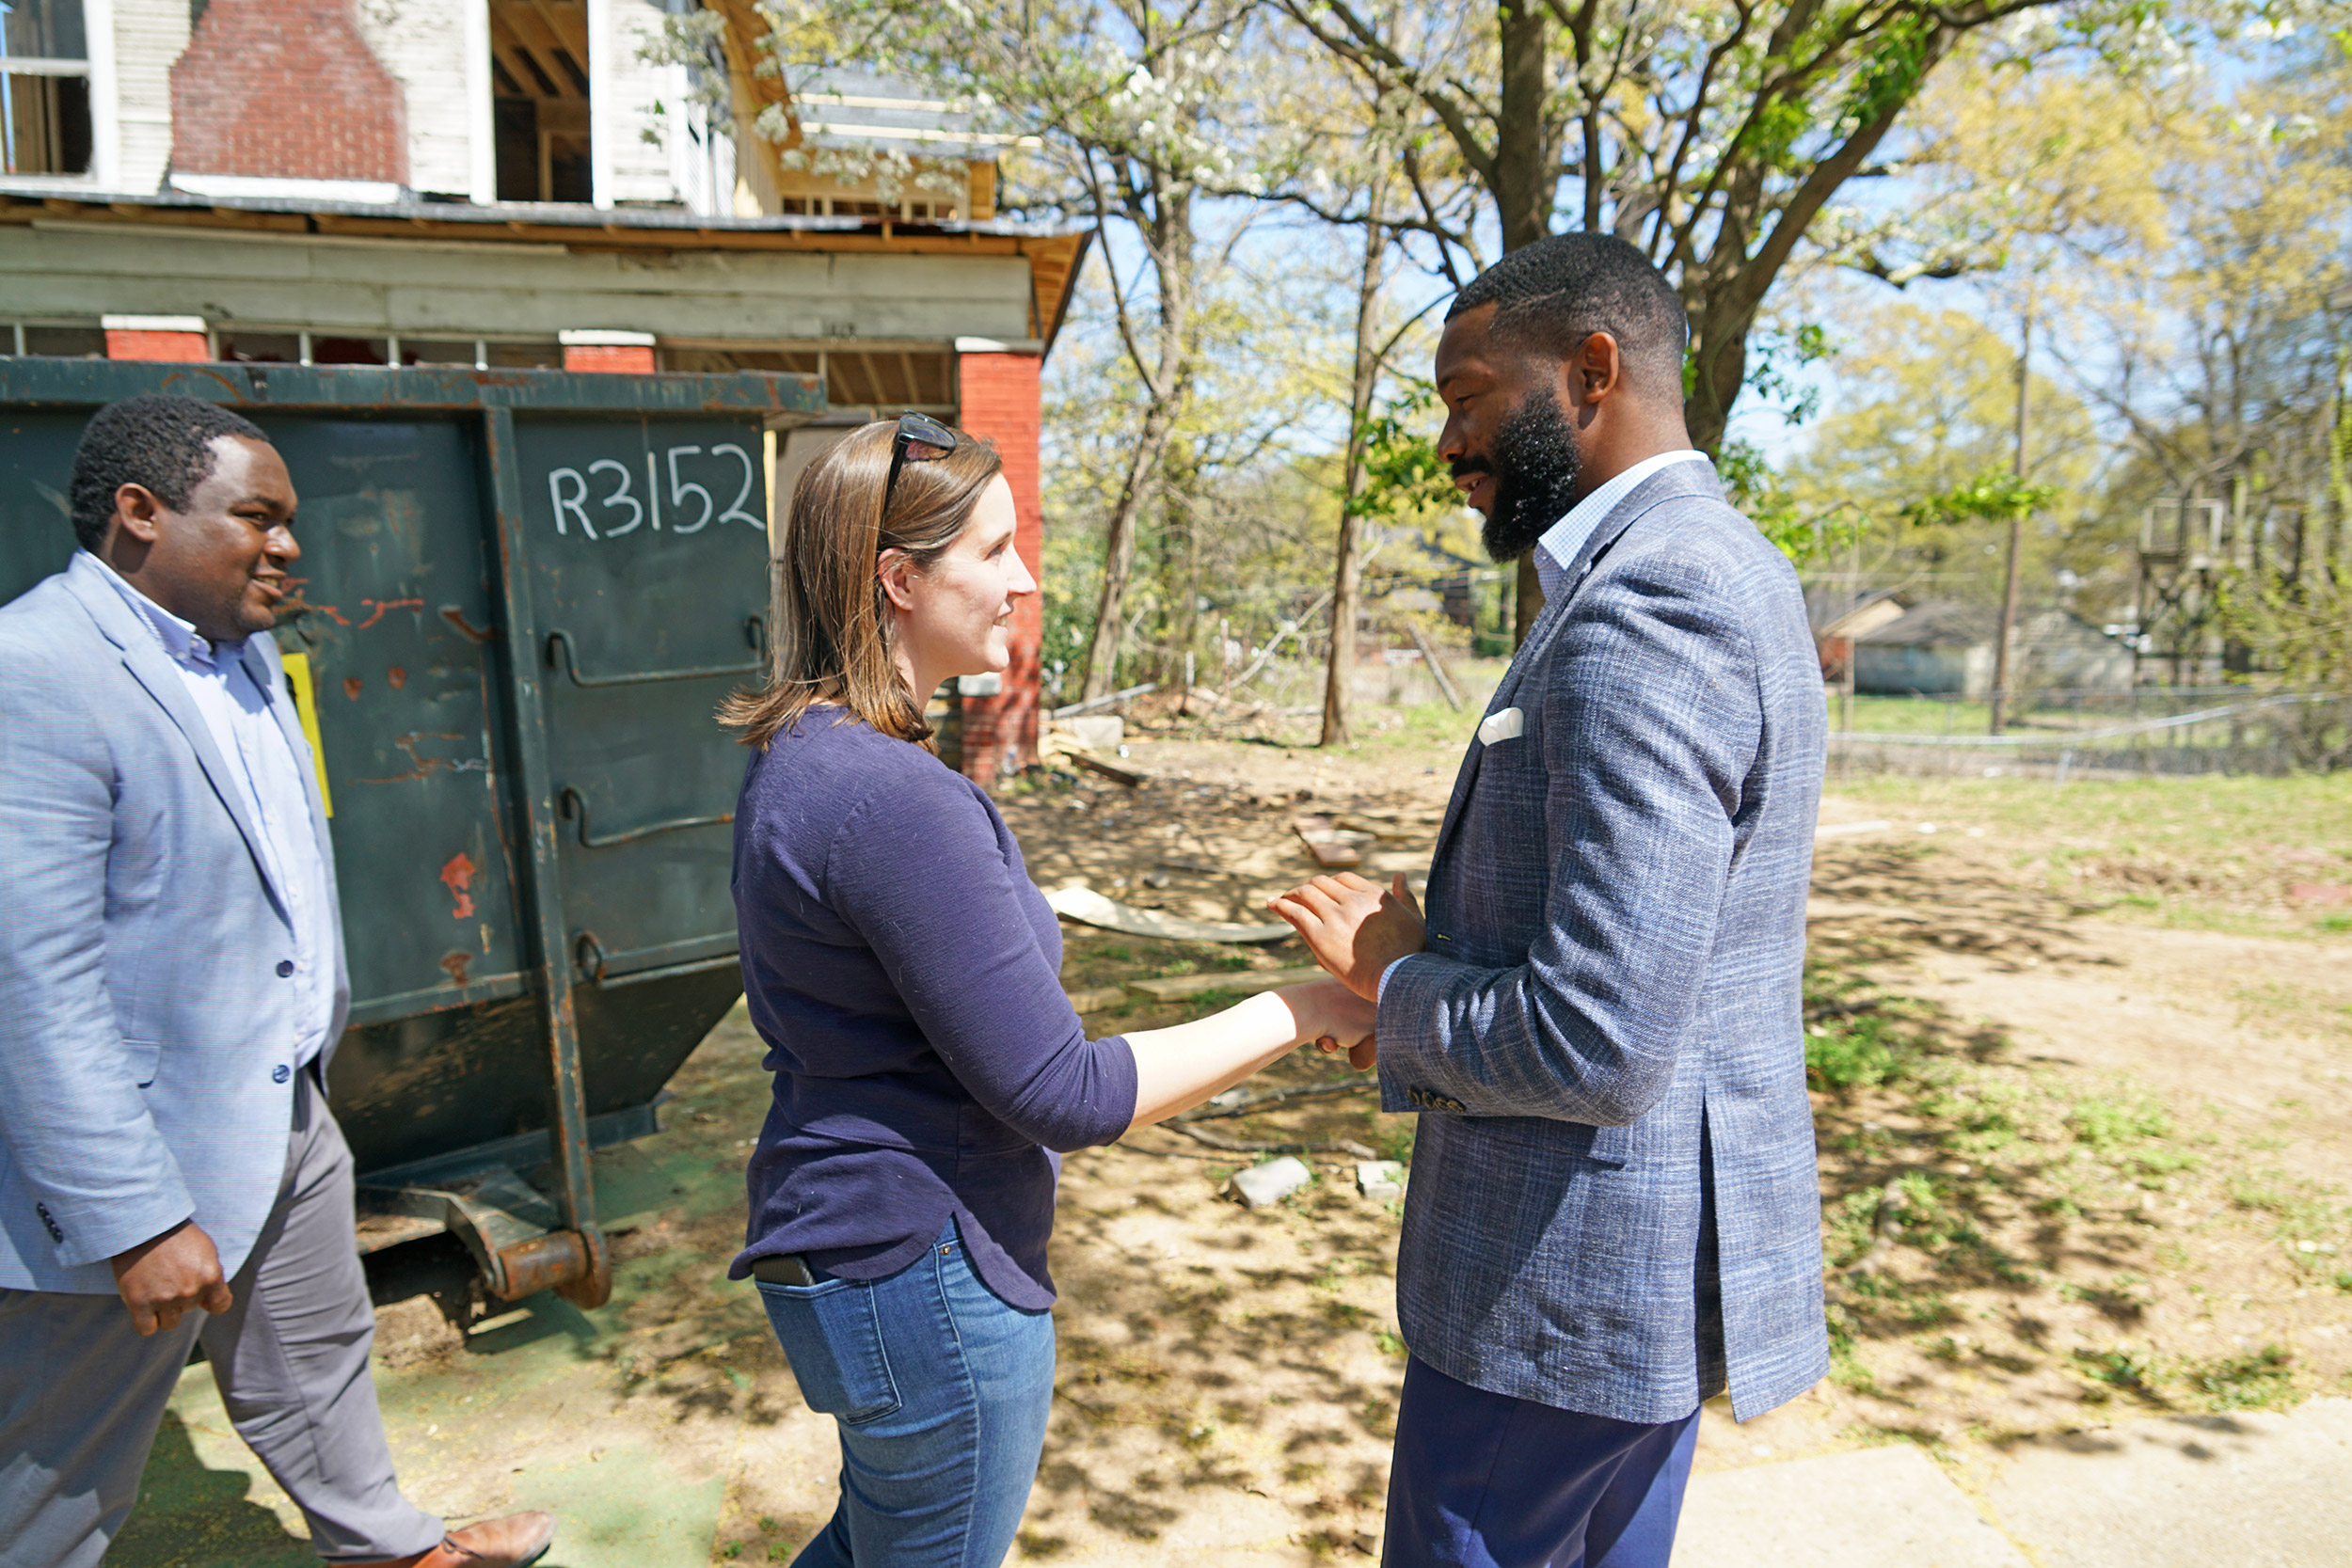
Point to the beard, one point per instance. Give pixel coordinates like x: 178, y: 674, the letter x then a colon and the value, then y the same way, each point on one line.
x: 1536, y: 464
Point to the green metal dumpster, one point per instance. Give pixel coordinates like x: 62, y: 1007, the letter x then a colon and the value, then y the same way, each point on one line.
x: 520, y: 597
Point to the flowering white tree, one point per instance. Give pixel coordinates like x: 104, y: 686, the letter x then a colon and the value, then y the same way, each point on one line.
x: 1123, y: 114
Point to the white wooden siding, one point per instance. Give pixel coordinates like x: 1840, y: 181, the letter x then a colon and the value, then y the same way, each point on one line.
x: 423, y: 45
x: 623, y: 88
x: 148, y: 36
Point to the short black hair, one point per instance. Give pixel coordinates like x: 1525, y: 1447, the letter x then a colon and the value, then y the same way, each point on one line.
x: 1554, y: 294
x: 161, y: 442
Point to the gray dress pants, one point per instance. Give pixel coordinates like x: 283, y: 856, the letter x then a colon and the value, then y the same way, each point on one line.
x: 81, y: 1394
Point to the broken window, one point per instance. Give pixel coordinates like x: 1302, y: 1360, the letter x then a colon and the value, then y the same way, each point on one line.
x: 86, y: 341
x: 44, y: 87
x: 539, y: 71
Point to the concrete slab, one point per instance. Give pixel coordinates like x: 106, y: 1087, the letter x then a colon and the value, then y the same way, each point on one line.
x: 2252, y: 1490
x: 1877, y: 1508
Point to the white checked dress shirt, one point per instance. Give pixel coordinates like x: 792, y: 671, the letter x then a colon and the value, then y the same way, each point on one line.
x: 268, y: 777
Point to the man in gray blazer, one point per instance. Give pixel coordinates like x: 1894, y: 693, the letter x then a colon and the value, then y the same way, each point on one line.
x: 171, y: 986
x: 1614, y: 1211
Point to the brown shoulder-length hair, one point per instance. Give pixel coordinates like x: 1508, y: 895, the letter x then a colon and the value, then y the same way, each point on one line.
x: 830, y: 619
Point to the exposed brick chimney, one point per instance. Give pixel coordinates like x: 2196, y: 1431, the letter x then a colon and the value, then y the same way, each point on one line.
x: 286, y: 88
x: 1001, y: 400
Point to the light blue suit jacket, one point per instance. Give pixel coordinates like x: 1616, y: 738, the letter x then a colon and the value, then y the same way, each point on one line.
x: 1605, y: 1039
x: 148, y: 1016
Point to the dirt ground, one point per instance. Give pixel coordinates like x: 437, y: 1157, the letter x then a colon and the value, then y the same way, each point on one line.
x: 2086, y: 1116
x: 2120, y: 1127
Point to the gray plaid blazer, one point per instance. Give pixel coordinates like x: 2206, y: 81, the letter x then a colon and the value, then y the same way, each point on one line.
x: 1605, y: 1039
x: 147, y: 1038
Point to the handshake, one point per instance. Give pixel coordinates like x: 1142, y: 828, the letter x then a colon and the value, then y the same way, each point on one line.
x: 1355, y: 930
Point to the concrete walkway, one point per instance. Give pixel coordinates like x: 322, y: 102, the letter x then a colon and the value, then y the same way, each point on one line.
x: 2244, y: 1491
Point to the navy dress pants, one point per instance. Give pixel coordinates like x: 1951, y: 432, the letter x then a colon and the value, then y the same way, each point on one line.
x: 1485, y: 1481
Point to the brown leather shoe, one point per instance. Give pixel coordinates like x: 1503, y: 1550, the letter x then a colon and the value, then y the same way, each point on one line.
x: 514, y: 1542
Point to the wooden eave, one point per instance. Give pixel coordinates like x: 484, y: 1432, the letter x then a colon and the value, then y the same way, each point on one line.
x: 1054, y: 258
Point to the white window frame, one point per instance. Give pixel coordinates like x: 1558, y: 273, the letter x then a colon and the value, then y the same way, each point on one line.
x: 98, y: 32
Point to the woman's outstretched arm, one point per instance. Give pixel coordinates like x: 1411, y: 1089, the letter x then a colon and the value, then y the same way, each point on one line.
x: 916, y: 868
x: 1180, y: 1066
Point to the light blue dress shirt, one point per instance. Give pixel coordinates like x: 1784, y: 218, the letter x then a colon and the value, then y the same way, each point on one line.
x: 1562, y: 540
x: 268, y: 776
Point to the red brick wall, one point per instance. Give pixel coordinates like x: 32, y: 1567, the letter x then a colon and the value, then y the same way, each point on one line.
x: 609, y: 358
x: 165, y: 347
x: 286, y: 88
x: 1000, y: 401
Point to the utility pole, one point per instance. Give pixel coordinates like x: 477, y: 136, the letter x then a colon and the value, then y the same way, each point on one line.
x: 2016, y: 526
x: 1853, y: 587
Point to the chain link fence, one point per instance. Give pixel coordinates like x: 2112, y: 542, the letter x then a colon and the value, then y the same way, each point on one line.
x: 2149, y: 732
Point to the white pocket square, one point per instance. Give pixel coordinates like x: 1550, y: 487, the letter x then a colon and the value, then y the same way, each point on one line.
x: 1507, y: 725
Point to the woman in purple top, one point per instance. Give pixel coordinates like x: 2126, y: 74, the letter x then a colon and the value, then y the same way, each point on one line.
x: 905, y: 975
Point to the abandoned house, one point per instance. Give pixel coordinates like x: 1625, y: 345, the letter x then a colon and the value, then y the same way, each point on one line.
x: 1945, y: 648
x: 521, y: 183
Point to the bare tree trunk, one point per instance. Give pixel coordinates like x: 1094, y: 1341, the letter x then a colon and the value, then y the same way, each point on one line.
x: 1347, y: 574
x: 1167, y: 222
x: 1118, y: 550
x: 1526, y: 177
x: 1527, y: 141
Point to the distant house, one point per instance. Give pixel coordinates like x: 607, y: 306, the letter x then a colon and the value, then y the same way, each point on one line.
x: 1945, y: 648
x: 1942, y: 648
x: 2064, y: 652
x: 1839, y: 616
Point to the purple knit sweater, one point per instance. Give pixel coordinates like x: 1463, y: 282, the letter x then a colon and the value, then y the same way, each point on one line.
x: 905, y: 975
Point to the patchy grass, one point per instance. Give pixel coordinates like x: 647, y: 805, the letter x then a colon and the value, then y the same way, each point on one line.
x: 2211, y: 852
x: 2263, y: 1380
x: 1092, y: 959
x: 1990, y: 1223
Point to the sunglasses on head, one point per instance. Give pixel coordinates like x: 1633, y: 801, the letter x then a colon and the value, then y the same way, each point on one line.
x: 920, y: 439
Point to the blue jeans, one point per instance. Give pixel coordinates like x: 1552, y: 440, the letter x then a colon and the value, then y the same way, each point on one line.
x: 940, y: 1391
x: 1485, y: 1481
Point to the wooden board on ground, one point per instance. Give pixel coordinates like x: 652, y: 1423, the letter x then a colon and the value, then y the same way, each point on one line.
x: 1094, y: 762
x: 1247, y: 981
x: 1081, y: 903
x: 1333, y: 850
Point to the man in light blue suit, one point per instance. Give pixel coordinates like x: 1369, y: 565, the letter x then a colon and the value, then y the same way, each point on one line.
x: 1614, y: 1212
x: 171, y: 986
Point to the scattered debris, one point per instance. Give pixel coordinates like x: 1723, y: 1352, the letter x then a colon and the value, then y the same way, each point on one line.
x: 1118, y: 772
x: 1242, y: 1146
x: 1073, y: 709
x: 1097, y: 999
x: 1288, y: 630
x: 1249, y: 981
x: 1333, y: 848
x: 1082, y: 904
x: 1429, y: 657
x: 1264, y: 1186
x: 1240, y: 1102
x: 1095, y: 732
x: 1382, y: 1180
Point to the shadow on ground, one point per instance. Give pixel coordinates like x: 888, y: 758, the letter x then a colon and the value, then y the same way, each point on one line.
x: 192, y: 1515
